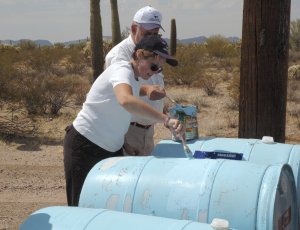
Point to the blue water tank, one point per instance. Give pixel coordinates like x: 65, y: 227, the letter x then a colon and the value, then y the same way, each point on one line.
x: 253, y: 150
x: 250, y: 196
x: 74, y: 218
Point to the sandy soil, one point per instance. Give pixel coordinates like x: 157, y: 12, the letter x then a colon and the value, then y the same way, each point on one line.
x: 32, y: 174
x: 32, y: 177
x: 29, y: 180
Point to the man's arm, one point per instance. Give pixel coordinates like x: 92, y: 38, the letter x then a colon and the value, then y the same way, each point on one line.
x: 153, y: 92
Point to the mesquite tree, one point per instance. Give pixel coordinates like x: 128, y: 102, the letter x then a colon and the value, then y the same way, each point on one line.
x: 264, y: 69
x: 96, y: 38
x: 173, y: 37
x: 115, y: 23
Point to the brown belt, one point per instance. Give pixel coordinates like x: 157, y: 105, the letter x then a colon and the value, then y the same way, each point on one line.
x: 140, y: 126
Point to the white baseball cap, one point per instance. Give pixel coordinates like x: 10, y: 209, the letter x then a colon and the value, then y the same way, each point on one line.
x: 149, y: 18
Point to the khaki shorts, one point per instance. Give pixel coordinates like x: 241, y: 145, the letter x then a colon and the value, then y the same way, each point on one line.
x: 141, y: 139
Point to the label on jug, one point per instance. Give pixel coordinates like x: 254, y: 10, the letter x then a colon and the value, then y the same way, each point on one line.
x: 218, y: 155
x: 188, y: 116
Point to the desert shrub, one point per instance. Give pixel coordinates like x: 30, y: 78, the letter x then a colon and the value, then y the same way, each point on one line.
x: 8, y: 73
x: 44, y: 60
x: 32, y: 93
x: 294, y: 72
x: 232, y: 120
x: 292, y: 91
x: 295, y: 35
x: 76, y: 62
x: 27, y: 45
x: 189, y: 68
x: 15, y: 122
x: 231, y: 63
x: 294, y: 57
x: 59, y: 45
x: 50, y: 93
x: 80, y: 88
x: 9, y: 55
x: 57, y: 92
x: 107, y: 46
x: 78, y: 46
x: 220, y: 47
x: 234, y: 92
x: 87, y: 50
x: 294, y: 112
x: 198, y: 101
x: 179, y: 98
x: 209, y: 83
x: 37, y: 79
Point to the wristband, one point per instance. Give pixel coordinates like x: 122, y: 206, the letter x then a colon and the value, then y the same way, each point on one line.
x: 167, y: 119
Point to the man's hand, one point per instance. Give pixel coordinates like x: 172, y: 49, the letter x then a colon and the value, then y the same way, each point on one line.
x: 153, y: 92
x: 131, y: 151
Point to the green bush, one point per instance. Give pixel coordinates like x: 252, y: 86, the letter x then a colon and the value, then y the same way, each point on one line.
x: 294, y: 72
x: 57, y: 92
x: 27, y: 45
x: 8, y: 73
x: 209, y: 83
x: 49, y: 94
x: 76, y: 62
x: 79, y: 90
x: 107, y: 46
x: 292, y: 90
x: 44, y: 60
x: 32, y: 93
x: 220, y: 47
x: 189, y: 69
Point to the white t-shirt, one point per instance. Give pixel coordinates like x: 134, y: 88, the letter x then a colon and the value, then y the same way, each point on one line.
x: 102, y: 119
x: 124, y: 51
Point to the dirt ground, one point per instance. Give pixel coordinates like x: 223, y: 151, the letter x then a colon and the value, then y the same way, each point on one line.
x: 32, y: 175
x: 29, y: 180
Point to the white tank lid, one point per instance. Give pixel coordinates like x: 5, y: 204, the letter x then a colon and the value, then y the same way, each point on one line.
x: 220, y: 224
x: 267, y: 140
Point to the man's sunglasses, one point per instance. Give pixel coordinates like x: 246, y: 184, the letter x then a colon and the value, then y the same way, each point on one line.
x: 156, y: 68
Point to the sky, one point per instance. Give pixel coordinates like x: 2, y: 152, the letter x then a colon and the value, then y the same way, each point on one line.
x: 66, y: 20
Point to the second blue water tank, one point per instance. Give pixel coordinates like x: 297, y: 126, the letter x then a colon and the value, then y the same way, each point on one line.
x: 251, y: 196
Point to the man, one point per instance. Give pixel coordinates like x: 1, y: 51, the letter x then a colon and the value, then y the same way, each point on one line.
x: 139, y: 138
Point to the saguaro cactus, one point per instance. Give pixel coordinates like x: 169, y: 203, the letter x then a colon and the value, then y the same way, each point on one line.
x: 115, y: 23
x: 173, y: 37
x: 96, y: 38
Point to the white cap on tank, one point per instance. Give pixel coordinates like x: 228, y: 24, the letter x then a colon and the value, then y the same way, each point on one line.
x: 220, y: 224
x: 267, y: 140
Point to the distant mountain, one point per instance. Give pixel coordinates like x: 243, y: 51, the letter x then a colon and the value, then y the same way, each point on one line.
x: 39, y: 42
x: 83, y: 40
x: 43, y: 42
x: 199, y: 39
x: 234, y: 39
x: 74, y: 42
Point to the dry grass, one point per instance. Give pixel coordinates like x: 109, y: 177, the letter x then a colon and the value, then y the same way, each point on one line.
x: 39, y: 159
x: 215, y: 117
